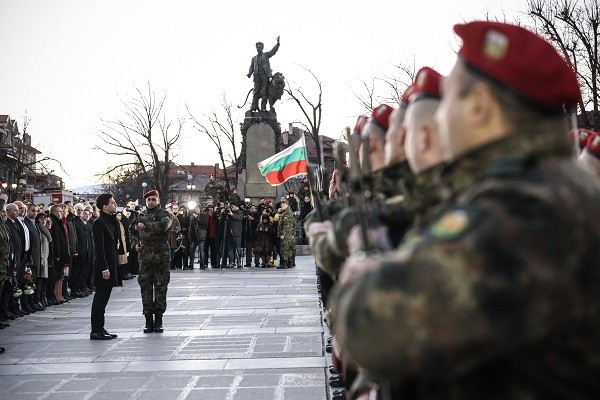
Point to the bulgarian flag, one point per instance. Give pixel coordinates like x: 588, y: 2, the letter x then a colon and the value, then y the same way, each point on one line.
x: 285, y: 165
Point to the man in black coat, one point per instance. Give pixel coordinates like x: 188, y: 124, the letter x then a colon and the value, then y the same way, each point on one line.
x: 105, y: 231
x: 17, y: 237
x: 79, y: 258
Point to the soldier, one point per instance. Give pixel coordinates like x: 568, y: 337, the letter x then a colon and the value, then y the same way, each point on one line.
x: 286, y: 230
x: 501, y: 290
x: 589, y: 158
x: 152, y: 244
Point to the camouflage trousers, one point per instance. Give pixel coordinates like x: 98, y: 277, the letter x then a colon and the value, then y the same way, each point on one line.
x: 153, y: 277
x: 288, y: 251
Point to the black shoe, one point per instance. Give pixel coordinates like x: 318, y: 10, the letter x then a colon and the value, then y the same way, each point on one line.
x: 328, y: 348
x: 38, y: 307
x: 332, y: 370
x: 281, y: 267
x: 158, y: 323
x: 336, y: 381
x: 339, y: 394
x: 112, y: 335
x: 2, y: 350
x: 149, y: 324
x: 99, y: 336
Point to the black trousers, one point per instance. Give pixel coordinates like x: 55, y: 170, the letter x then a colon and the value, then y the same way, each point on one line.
x: 99, y: 307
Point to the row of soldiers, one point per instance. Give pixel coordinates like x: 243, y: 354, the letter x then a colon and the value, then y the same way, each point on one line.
x: 465, y: 265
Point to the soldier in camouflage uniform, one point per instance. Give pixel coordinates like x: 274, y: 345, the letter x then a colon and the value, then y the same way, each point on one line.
x: 498, y: 298
x: 286, y: 230
x: 150, y: 238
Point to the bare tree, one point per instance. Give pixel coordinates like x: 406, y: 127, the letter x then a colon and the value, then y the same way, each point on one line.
x: 144, y: 139
x: 573, y: 27
x: 311, y: 110
x: 221, y: 132
x: 388, y: 88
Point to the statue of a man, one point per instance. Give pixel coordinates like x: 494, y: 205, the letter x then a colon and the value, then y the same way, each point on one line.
x: 261, y: 69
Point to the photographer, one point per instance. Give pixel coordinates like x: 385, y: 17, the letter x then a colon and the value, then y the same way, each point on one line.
x: 251, y: 221
x: 197, y: 237
x: 230, y: 222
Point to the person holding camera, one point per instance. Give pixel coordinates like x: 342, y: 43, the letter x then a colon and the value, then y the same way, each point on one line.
x: 197, y: 237
x: 251, y: 221
x: 231, y: 226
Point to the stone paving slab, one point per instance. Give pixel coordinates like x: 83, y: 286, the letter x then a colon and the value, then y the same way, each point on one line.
x: 230, y: 334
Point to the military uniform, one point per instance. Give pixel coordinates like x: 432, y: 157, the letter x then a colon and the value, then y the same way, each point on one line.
x: 508, y: 271
x: 154, y: 273
x: 287, y: 228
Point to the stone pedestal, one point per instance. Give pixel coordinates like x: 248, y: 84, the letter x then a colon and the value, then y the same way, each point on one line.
x: 261, y: 138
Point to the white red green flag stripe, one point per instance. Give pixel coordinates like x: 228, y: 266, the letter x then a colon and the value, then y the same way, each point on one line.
x: 285, y: 165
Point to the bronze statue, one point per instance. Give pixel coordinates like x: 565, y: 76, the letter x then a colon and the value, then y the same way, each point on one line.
x: 261, y: 69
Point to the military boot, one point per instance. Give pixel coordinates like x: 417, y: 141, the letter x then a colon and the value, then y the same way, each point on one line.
x: 158, y: 323
x: 149, y: 324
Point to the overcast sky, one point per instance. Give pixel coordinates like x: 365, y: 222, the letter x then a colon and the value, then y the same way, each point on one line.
x: 69, y: 62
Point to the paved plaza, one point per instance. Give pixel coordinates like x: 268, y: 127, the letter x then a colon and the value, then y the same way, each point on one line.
x: 241, y: 334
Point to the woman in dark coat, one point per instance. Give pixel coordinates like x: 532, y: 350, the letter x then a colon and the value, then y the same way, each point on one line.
x: 60, y: 246
x: 265, y: 235
x: 105, y: 270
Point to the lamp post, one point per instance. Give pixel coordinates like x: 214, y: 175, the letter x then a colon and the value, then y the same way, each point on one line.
x: 144, y: 185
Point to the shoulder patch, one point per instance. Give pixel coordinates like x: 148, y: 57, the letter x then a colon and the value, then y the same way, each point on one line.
x: 453, y: 223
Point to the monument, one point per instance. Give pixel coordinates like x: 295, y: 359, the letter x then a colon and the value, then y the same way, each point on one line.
x: 261, y: 132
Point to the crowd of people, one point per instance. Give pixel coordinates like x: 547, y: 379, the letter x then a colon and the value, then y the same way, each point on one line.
x: 234, y: 234
x: 47, y: 253
x: 458, y: 254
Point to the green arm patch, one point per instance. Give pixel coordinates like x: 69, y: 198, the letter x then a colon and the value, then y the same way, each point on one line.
x: 453, y: 222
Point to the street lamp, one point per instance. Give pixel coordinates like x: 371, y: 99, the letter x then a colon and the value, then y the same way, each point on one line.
x: 144, y: 185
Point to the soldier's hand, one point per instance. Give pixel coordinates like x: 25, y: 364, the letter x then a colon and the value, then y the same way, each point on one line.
x: 139, y: 247
x: 318, y: 227
x: 106, y: 275
x: 140, y: 226
x: 355, y: 266
x: 378, y: 237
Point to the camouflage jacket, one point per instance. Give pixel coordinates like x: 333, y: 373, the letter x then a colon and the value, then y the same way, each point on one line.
x: 502, y: 287
x: 324, y: 257
x: 287, y: 224
x: 389, y: 207
x: 156, y: 233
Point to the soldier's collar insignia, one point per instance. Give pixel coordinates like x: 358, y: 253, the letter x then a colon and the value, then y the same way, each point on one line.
x: 495, y: 45
x: 451, y: 224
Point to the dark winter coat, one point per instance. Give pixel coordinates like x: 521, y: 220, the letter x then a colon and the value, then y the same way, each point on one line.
x: 105, y: 232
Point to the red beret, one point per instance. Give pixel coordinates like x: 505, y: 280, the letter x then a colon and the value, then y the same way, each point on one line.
x: 151, y: 193
x: 426, y: 85
x: 360, y: 124
x: 520, y: 60
x: 406, y: 96
x: 593, y: 144
x: 381, y: 116
x: 582, y: 136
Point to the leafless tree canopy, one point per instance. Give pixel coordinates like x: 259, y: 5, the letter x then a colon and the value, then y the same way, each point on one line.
x: 144, y: 139
x: 310, y: 108
x: 573, y: 27
x: 219, y: 127
x: 387, y: 88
